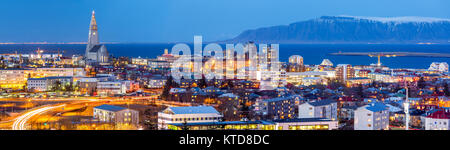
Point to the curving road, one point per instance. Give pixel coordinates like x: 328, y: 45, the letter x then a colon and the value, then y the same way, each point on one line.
x: 20, y: 122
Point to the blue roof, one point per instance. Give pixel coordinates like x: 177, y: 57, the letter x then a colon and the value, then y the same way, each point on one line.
x: 376, y: 107
x: 110, y: 107
x: 194, y: 110
x: 322, y: 102
x: 303, y: 120
x: 279, y: 99
x: 224, y: 123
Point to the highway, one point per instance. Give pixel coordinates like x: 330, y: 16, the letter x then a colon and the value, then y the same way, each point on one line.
x: 25, y: 119
x: 20, y: 123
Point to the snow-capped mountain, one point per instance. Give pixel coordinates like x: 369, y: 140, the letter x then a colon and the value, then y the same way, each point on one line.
x: 351, y: 29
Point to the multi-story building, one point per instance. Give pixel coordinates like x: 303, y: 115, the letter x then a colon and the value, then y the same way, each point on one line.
x: 87, y: 85
x: 47, y: 83
x: 344, y: 72
x: 362, y: 73
x: 296, y: 59
x: 298, y: 78
x: 37, y: 84
x: 190, y: 114
x: 13, y: 78
x: 374, y: 116
x: 17, y: 78
x: 49, y: 72
x: 306, y: 124
x: 438, y: 120
x: 358, y: 81
x: 380, y: 77
x: 276, y: 108
x: 156, y: 82
x: 139, y: 61
x: 111, y: 88
x: 295, y: 64
x: 116, y: 114
x: 318, y: 109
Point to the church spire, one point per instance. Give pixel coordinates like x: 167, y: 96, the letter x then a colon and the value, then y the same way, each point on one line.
x: 93, y: 22
x: 93, y: 33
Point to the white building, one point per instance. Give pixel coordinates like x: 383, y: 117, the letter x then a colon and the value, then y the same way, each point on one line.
x: 13, y: 78
x: 374, y: 116
x: 156, y: 82
x: 139, y: 61
x: 111, y: 88
x: 318, y: 109
x: 116, y: 114
x: 326, y: 62
x: 37, y: 84
x: 382, y: 77
x: 296, y: 59
x: 190, y: 114
x: 306, y: 124
x: 305, y: 78
x: 439, y: 66
x: 439, y: 120
x: 46, y: 84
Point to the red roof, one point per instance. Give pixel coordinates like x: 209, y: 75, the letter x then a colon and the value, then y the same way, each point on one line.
x: 440, y: 114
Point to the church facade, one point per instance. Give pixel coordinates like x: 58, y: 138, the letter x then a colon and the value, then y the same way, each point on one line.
x: 95, y: 52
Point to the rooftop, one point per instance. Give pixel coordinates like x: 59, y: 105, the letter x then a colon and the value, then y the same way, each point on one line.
x: 376, y: 107
x: 302, y: 120
x: 194, y: 110
x: 223, y: 123
x: 322, y: 102
x: 440, y: 114
x: 110, y: 107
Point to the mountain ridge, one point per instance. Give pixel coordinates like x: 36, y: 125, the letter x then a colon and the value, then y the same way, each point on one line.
x: 353, y: 29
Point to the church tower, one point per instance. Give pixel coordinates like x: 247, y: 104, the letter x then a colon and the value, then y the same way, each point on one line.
x: 93, y: 34
x: 95, y: 52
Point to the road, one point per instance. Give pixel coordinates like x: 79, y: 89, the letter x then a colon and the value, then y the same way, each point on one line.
x: 22, y: 121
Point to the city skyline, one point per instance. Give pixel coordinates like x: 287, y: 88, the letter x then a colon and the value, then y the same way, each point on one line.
x: 359, y: 73
x: 159, y: 22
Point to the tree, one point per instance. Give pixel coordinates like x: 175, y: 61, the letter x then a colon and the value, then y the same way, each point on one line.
x: 359, y: 91
x: 185, y: 127
x: 69, y: 87
x: 421, y: 83
x: 170, y: 83
x: 229, y: 109
x: 230, y: 84
x: 56, y: 86
x: 447, y: 93
x: 151, y: 115
x: 212, y: 82
x: 202, y: 83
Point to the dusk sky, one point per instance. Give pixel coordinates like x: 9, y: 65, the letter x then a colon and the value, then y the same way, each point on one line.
x: 180, y: 20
